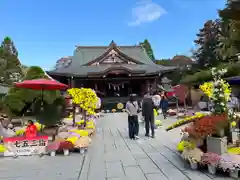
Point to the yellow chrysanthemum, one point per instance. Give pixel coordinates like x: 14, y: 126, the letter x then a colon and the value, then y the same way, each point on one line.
x: 86, y: 98
x: 158, y: 122
x: 81, y: 132
x: 20, y: 132
x: 234, y: 150
x: 39, y: 126
x: 2, y: 148
x: 233, y: 124
x: 72, y: 139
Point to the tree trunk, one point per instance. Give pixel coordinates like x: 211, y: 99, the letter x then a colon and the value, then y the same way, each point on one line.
x: 85, y: 118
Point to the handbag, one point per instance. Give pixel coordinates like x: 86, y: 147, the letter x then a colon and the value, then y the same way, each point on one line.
x: 138, y: 110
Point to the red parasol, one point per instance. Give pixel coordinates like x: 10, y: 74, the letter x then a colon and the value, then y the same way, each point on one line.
x: 41, y: 84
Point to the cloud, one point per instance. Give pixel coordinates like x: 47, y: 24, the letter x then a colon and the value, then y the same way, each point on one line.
x: 146, y: 11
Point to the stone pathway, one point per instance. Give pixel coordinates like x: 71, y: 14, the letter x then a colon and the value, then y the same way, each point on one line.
x: 112, y: 156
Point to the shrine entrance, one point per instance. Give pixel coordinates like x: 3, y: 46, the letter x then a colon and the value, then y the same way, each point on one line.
x: 117, y: 89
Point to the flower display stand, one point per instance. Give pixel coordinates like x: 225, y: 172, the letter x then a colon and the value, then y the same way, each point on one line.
x: 53, y: 153
x: 212, y: 169
x: 234, y: 135
x: 234, y: 174
x: 217, y: 145
x: 66, y: 152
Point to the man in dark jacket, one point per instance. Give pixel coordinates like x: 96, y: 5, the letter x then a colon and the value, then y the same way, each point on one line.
x: 148, y: 114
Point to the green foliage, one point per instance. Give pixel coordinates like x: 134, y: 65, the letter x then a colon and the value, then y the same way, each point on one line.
x: 10, y: 66
x: 207, y: 41
x: 164, y: 62
x: 19, y: 100
x: 147, y: 46
x: 230, y: 31
x: 49, y: 114
x: 9, y: 46
x: 205, y: 75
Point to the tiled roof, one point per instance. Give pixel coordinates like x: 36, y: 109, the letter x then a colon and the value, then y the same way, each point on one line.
x: 85, y: 54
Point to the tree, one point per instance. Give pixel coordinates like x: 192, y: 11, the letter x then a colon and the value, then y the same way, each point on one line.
x: 230, y: 31
x: 10, y: 66
x: 9, y: 46
x: 207, y: 42
x: 19, y: 100
x: 147, y: 46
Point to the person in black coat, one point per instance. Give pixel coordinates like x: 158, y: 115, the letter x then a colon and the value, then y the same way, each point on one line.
x: 148, y: 114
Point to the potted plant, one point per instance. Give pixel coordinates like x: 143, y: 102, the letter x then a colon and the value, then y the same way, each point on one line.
x: 231, y: 163
x: 66, y: 146
x: 53, y: 147
x: 212, y: 160
x: 193, y: 156
x: 204, y: 128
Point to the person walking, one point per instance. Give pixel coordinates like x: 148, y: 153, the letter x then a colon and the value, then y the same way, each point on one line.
x: 148, y: 114
x: 132, y: 109
x: 164, y: 105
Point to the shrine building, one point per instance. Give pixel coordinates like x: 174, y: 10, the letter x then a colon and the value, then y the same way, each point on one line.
x: 112, y: 71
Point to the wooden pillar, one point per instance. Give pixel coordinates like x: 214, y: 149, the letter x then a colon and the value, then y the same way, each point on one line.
x: 72, y: 82
x: 69, y: 82
x: 154, y: 84
x: 147, y: 86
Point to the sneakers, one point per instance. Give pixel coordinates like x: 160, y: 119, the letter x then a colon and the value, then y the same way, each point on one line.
x: 136, y: 137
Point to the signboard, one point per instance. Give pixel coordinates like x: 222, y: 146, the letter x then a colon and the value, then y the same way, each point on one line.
x: 23, y: 146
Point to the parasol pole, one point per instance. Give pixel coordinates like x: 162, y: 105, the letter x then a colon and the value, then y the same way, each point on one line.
x: 41, y: 106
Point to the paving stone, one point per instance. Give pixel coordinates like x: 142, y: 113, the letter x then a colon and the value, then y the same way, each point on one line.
x: 85, y: 169
x: 114, y: 169
x: 157, y: 157
x: 148, y: 166
x: 158, y: 176
x: 134, y: 172
x: 96, y: 170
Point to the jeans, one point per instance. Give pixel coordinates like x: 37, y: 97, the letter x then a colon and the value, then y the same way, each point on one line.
x: 164, y: 111
x: 133, y: 126
x: 149, y: 123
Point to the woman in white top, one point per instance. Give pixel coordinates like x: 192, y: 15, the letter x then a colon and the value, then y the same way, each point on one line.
x: 132, y: 109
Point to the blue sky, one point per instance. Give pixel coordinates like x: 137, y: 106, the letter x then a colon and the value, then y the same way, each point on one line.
x: 45, y: 30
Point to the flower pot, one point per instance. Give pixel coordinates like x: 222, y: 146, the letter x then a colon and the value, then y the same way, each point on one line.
x: 234, y: 174
x: 217, y: 145
x: 221, y: 132
x: 82, y: 150
x: 53, y: 153
x: 66, y: 152
x: 211, y: 169
x: 194, y: 165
